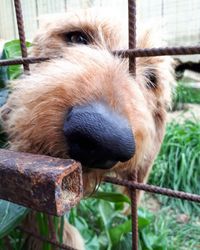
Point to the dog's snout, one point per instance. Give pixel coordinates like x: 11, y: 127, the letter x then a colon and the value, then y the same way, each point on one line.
x: 97, y: 136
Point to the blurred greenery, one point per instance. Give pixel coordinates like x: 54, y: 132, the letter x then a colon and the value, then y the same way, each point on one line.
x: 10, y: 216
x: 101, y: 222
x: 185, y: 93
x: 177, y: 166
x: 103, y: 219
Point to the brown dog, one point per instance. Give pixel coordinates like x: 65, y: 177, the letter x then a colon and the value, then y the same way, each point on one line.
x: 86, y: 105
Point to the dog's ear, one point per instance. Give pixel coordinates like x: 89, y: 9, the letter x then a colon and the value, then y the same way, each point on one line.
x: 156, y: 73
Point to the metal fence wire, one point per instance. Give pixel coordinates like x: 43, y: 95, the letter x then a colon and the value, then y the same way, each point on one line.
x: 132, y: 185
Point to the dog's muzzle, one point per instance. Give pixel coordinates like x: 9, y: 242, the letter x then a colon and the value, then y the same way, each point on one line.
x: 97, y: 136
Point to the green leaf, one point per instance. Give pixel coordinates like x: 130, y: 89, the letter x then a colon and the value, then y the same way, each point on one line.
x: 80, y: 223
x: 10, y: 216
x: 12, y: 49
x: 92, y: 243
x: 144, y: 218
x: 117, y: 232
x: 106, y: 212
x: 112, y: 197
x: 125, y: 243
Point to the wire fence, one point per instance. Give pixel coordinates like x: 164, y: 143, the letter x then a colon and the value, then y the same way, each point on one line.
x: 132, y: 184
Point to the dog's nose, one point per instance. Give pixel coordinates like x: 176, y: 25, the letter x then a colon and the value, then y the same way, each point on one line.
x: 97, y: 136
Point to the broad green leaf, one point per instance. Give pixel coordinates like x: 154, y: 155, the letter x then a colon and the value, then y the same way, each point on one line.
x: 103, y: 240
x: 106, y: 212
x: 119, y: 206
x: 125, y: 243
x: 80, y: 223
x: 112, y: 197
x: 12, y: 49
x: 10, y: 216
x: 92, y: 243
x: 117, y: 232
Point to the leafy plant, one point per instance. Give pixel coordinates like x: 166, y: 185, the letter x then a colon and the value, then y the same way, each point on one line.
x: 12, y: 50
x: 177, y: 165
x: 102, y: 221
x: 10, y: 214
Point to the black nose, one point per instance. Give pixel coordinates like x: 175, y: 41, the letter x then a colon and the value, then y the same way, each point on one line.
x: 97, y: 136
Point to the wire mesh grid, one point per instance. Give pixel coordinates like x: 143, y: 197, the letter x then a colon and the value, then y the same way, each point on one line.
x: 132, y: 53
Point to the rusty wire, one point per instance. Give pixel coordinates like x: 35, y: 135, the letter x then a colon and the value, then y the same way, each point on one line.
x: 133, y: 196
x: 132, y: 33
x: 155, y: 189
x: 29, y: 60
x: 167, y: 51
x: 20, y: 25
x: 172, y: 51
x: 132, y: 53
x: 132, y: 70
x: 45, y: 239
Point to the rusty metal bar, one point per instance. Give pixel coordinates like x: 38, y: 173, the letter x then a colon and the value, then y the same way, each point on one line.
x: 132, y: 33
x: 43, y: 183
x: 154, y: 189
x: 132, y: 70
x: 187, y: 50
x: 133, y: 196
x: 29, y: 60
x: 171, y: 51
x: 20, y: 25
x: 45, y: 239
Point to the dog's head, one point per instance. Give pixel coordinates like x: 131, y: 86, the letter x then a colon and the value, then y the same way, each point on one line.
x: 85, y: 104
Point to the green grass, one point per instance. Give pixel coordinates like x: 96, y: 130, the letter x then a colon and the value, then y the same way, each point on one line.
x: 180, y: 235
x: 178, y: 167
x: 185, y: 94
x: 178, y: 164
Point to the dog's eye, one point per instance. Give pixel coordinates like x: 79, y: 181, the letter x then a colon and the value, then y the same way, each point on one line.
x: 77, y: 37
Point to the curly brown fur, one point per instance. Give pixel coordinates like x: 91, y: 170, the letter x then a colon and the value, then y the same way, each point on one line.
x: 34, y: 113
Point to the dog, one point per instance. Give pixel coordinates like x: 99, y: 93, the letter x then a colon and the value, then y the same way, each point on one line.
x: 84, y: 104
